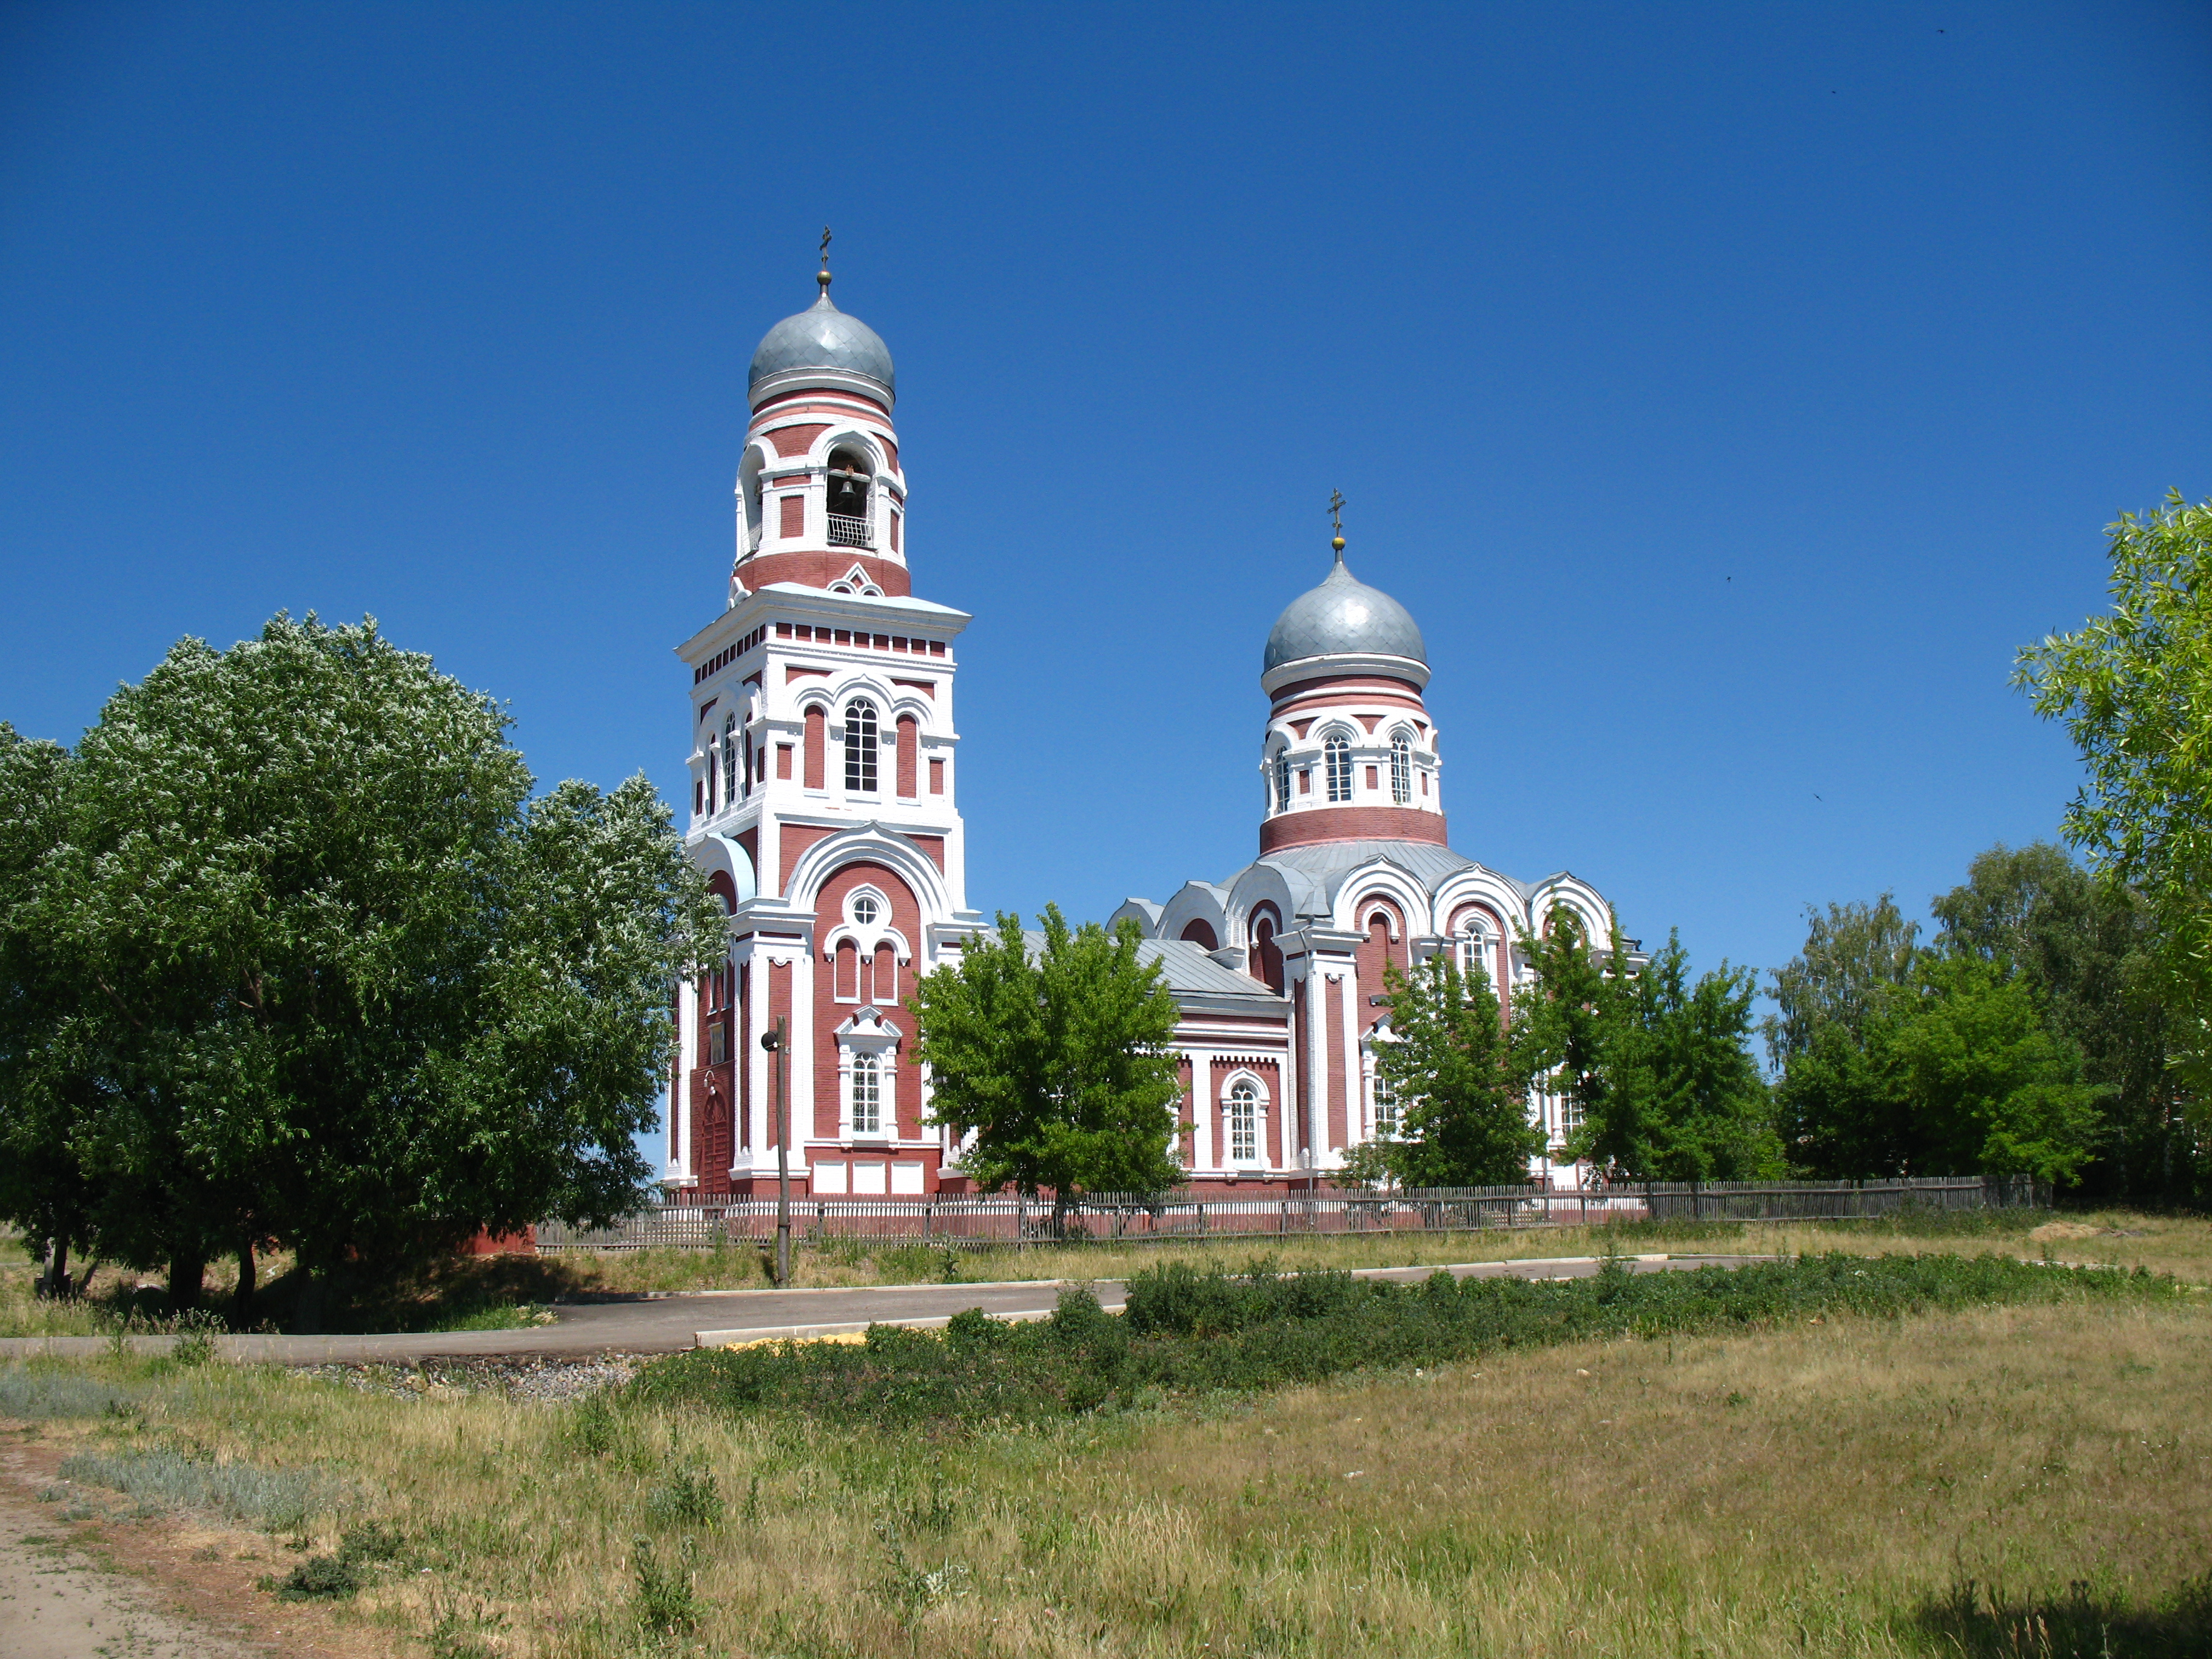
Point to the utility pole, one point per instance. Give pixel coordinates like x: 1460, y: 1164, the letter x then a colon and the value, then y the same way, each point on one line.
x: 776, y: 1042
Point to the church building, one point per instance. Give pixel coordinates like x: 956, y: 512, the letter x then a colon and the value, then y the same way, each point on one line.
x: 824, y: 778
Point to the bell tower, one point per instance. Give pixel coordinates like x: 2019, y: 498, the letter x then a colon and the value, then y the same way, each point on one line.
x: 824, y: 761
x: 820, y: 499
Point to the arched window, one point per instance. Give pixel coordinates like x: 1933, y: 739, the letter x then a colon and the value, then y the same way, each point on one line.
x: 729, y: 758
x: 1386, y: 1109
x: 868, y: 1095
x: 860, y: 746
x: 849, y: 499
x: 1282, y: 780
x: 1339, y: 753
x: 1402, y: 768
x: 1244, y: 1124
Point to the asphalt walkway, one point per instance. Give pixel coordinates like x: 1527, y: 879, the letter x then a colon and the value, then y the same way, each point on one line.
x: 667, y: 1322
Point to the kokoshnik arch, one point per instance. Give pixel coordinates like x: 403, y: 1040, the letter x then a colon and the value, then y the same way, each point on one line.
x: 823, y: 810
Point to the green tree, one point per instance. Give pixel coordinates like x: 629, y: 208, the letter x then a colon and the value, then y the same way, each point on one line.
x: 1465, y: 1094
x: 1653, y: 1068
x: 2133, y: 687
x: 1989, y: 1087
x: 1683, y: 1099
x: 1853, y: 956
x: 1951, y: 1068
x: 1565, y: 1016
x: 2089, y: 952
x: 44, y: 1187
x: 335, y: 979
x: 1057, y: 1057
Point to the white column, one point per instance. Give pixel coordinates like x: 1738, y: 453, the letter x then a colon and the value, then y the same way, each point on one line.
x: 1354, y: 1092
x: 757, y: 1081
x: 801, y: 1080
x: 679, y: 1091
x: 1317, y: 1059
x: 1201, y: 1110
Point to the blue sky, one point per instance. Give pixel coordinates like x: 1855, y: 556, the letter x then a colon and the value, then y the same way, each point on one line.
x: 1728, y: 390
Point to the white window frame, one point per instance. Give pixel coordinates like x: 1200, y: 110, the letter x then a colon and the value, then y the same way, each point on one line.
x: 1401, y: 768
x: 1336, y: 758
x: 1257, y: 1159
x: 868, y: 1033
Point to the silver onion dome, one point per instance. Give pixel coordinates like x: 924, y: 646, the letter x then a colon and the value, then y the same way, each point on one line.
x: 822, y: 336
x: 1344, y: 616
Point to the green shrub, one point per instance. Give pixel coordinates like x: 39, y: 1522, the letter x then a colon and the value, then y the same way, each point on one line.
x: 320, y: 1577
x: 1186, y: 1333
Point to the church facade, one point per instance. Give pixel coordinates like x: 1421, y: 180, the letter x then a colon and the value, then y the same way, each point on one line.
x: 825, y: 779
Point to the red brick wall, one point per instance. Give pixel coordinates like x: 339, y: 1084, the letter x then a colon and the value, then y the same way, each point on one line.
x: 1199, y: 931
x: 908, y: 753
x: 829, y: 1013
x: 818, y: 567
x: 1351, y: 823
x: 794, y: 840
x: 815, y: 736
x: 795, y: 439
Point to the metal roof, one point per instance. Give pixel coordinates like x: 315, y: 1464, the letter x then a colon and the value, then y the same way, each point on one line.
x: 822, y: 336
x: 1342, y: 617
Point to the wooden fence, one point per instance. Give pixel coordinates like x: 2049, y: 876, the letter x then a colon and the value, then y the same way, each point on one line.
x: 982, y: 1221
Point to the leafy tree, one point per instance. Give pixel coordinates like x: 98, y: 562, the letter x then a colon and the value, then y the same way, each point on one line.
x: 1683, y: 1099
x: 2133, y: 688
x: 1565, y: 1016
x: 2089, y: 952
x: 43, y: 1185
x: 1951, y: 1068
x: 1466, y: 1095
x: 1989, y: 1086
x: 334, y: 978
x: 1852, y: 956
x: 1057, y: 1058
x: 1653, y: 1068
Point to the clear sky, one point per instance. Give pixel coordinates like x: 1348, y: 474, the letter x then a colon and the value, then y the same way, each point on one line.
x: 1728, y: 390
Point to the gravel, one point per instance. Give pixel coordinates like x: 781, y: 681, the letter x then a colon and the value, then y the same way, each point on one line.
x: 523, y: 1378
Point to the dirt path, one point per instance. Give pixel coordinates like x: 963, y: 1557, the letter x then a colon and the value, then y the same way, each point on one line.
x: 167, y: 1589
x: 55, y: 1604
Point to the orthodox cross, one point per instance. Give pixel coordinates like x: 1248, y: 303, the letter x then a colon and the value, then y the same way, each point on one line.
x: 1336, y: 520
x: 823, y: 275
x: 825, y: 245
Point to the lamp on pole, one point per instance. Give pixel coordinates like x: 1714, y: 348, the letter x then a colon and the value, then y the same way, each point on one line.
x: 774, y: 1042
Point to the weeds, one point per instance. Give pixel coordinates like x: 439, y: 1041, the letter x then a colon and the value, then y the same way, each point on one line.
x: 276, y: 1500
x: 34, y: 1394
x: 1186, y: 1333
x: 687, y: 1497
x: 666, y: 1600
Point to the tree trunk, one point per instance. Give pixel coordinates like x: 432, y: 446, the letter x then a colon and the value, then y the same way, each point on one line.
x: 187, y: 1274
x: 242, y: 1307
x: 307, y: 1317
x: 56, y: 1282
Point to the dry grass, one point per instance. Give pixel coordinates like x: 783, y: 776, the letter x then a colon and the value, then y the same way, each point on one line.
x: 1834, y: 1488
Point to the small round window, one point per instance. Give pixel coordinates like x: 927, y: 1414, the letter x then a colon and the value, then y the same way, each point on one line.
x: 864, y: 911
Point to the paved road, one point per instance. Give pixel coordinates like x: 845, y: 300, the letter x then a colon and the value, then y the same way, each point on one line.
x: 667, y: 1323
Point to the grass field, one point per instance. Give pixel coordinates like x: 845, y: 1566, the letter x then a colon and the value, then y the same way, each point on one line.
x: 1998, y: 1480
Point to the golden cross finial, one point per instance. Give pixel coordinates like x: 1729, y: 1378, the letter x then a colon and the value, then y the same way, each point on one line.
x: 1336, y: 518
x: 823, y: 275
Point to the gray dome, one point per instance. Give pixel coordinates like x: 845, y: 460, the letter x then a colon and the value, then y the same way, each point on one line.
x: 822, y: 336
x: 1344, y: 616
